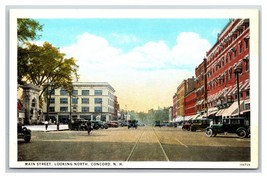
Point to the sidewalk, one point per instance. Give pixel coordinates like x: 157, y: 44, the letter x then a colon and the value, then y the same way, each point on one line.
x: 51, y: 127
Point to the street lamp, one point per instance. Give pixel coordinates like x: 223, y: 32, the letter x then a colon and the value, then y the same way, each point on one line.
x: 237, y: 71
x: 101, y: 102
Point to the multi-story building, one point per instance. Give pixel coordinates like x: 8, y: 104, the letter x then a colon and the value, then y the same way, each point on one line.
x: 89, y: 100
x: 174, y: 106
x: 190, y: 103
x: 201, y: 87
x: 228, y: 69
x: 185, y: 87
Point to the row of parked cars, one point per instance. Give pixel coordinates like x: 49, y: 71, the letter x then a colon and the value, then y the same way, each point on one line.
x: 81, y: 124
x: 238, y: 125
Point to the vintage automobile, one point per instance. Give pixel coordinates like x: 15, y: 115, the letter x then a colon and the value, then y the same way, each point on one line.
x: 158, y: 123
x: 187, y: 125
x: 199, y: 124
x: 99, y: 125
x: 238, y: 125
x: 24, y: 133
x: 113, y: 124
x: 132, y: 124
x: 78, y: 124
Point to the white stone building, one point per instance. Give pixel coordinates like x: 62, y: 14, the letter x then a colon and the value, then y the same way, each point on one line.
x: 89, y: 100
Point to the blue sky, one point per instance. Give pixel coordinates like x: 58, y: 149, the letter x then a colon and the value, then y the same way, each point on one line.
x: 63, y: 32
x: 143, y: 59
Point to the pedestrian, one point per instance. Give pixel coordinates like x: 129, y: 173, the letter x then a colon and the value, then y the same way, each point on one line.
x: 211, y: 122
x: 46, y: 125
x: 89, y: 126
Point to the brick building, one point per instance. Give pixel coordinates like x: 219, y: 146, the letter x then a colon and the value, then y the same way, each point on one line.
x: 190, y: 103
x: 201, y: 87
x: 228, y: 69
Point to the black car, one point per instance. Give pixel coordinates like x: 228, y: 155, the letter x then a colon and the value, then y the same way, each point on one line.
x: 199, y: 124
x: 132, y: 124
x: 78, y: 124
x: 238, y: 125
x: 24, y: 133
x: 158, y: 124
x: 99, y: 125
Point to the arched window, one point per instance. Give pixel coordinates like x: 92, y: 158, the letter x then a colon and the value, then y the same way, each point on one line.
x: 33, y: 102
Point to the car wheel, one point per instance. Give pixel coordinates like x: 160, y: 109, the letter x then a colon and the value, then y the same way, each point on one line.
x: 242, y: 133
x: 27, y: 139
x: 209, y: 132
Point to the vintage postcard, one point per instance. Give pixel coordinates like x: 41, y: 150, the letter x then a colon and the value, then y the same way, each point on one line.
x: 126, y: 88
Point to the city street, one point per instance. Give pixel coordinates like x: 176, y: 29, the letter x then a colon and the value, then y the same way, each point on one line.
x: 142, y: 144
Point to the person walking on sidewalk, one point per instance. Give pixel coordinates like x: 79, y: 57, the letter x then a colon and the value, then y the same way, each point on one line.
x: 89, y: 126
x: 46, y: 125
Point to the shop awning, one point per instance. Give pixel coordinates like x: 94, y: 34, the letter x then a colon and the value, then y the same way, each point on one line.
x: 246, y: 83
x: 233, y: 109
x: 230, y: 110
x: 212, y: 111
x: 219, y: 113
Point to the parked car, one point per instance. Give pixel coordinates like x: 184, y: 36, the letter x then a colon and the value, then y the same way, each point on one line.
x: 187, y: 125
x: 199, y: 124
x: 99, y: 125
x: 132, y: 124
x: 24, y: 133
x: 238, y: 125
x: 158, y: 124
x: 113, y: 124
x: 78, y: 124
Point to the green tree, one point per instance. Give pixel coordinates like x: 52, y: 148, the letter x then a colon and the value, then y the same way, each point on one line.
x: 45, y: 66
x: 27, y: 30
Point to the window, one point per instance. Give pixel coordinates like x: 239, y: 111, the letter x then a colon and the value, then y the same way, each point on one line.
x: 74, y: 101
x: 63, y: 100
x: 85, y: 92
x: 34, y: 103
x: 85, y: 109
x: 75, y: 92
x: 98, y: 100
x: 246, y: 42
x: 240, y: 48
x: 234, y: 51
x: 51, y: 92
x: 98, y: 92
x: 247, y: 93
x: 52, y: 100
x: 63, y: 109
x: 85, y: 100
x: 97, y: 109
x: 63, y: 92
x: 51, y: 109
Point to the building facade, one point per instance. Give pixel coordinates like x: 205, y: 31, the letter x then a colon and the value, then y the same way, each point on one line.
x: 201, y: 87
x: 190, y: 103
x: 89, y: 100
x: 174, y: 106
x: 228, y: 71
x: 185, y: 87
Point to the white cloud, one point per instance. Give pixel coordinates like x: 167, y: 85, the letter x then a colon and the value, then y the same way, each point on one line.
x: 190, y: 49
x: 124, y: 38
x: 144, y: 77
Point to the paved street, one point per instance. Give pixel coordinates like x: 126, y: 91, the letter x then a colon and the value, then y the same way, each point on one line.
x: 142, y: 144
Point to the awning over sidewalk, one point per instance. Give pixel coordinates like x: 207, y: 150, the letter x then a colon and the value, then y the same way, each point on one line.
x: 219, y: 113
x: 212, y: 111
x: 233, y: 109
